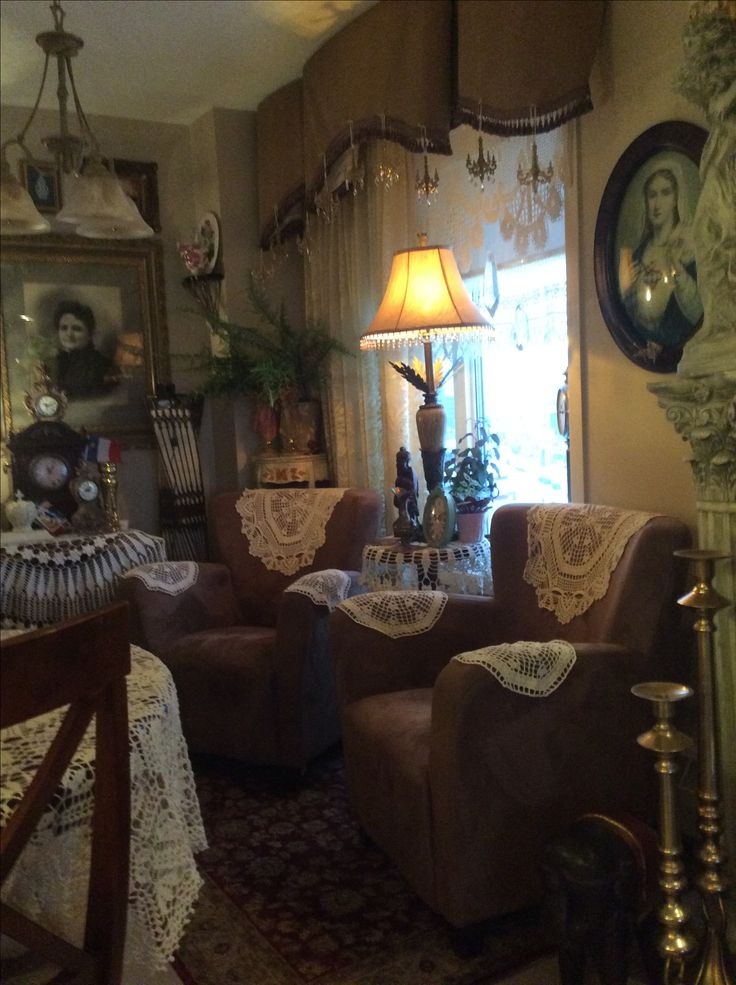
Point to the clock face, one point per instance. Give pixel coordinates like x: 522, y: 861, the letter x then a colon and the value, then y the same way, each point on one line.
x: 87, y: 490
x: 49, y: 472
x: 47, y: 405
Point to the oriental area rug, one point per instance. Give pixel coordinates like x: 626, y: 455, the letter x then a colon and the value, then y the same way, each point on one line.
x: 293, y: 895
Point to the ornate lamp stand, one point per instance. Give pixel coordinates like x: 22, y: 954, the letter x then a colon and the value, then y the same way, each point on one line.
x: 676, y: 941
x: 715, y: 967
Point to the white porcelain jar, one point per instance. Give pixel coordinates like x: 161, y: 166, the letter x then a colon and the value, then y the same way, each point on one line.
x: 20, y: 512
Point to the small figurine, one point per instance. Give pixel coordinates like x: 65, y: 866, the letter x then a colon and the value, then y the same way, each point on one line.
x: 406, y: 491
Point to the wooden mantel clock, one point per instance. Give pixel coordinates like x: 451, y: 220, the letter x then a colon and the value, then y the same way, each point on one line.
x: 46, y: 454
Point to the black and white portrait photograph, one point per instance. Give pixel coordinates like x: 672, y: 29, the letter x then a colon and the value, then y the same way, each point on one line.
x: 91, y: 317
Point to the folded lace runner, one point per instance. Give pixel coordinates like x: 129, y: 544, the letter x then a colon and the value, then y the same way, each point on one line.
x: 530, y: 668
x: 328, y: 587
x: 285, y: 527
x: 572, y: 552
x: 168, y: 577
x: 396, y: 614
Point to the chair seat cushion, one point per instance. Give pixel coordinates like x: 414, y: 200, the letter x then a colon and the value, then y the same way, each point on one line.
x: 224, y: 679
x: 386, y: 741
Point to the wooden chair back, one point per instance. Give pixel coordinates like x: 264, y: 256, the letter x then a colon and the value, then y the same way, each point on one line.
x: 82, y: 663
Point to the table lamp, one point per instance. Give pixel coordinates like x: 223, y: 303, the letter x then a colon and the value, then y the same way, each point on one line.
x: 425, y: 300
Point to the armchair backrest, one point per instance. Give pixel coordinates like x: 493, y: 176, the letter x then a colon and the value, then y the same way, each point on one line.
x: 637, y: 608
x: 258, y: 589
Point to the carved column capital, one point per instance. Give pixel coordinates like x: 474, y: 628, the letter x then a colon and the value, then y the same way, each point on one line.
x: 702, y: 410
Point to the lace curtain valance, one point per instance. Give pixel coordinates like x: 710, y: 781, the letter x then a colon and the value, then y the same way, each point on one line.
x: 408, y: 72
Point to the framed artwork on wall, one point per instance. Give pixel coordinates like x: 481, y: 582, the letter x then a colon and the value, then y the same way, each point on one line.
x: 91, y: 312
x: 41, y: 181
x: 644, y: 258
x: 140, y: 181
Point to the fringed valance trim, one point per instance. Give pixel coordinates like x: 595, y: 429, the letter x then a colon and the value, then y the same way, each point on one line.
x: 494, y: 122
x: 416, y: 139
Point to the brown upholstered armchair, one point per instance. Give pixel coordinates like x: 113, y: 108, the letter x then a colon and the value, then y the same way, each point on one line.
x: 250, y: 660
x: 460, y: 780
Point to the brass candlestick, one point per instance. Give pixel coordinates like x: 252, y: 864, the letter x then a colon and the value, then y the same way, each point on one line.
x: 109, y: 482
x: 715, y: 967
x: 676, y: 941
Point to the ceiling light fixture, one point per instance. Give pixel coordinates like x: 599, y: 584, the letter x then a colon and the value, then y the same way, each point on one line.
x: 96, y: 203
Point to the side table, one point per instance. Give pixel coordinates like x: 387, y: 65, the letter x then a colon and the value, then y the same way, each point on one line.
x: 48, y: 581
x: 288, y: 469
x: 460, y: 569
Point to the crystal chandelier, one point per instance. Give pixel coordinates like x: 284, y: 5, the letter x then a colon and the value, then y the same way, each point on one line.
x: 534, y: 175
x: 484, y: 166
x: 426, y: 185
x: 96, y: 204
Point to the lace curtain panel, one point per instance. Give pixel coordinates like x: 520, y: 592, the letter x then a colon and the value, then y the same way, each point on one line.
x: 572, y: 552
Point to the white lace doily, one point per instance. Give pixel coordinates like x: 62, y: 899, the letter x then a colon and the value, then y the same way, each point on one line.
x: 396, y: 614
x: 48, y: 882
x: 285, y: 527
x: 534, y: 669
x: 328, y: 587
x: 572, y: 552
x: 169, y: 577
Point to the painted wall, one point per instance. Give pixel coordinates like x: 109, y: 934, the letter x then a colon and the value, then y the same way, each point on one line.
x: 632, y: 455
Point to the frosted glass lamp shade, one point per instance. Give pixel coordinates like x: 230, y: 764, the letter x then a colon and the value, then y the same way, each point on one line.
x: 98, y: 206
x: 18, y: 215
x: 425, y: 299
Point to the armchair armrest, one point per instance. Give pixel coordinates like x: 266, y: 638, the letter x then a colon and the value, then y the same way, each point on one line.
x: 367, y: 662
x: 303, y: 678
x: 158, y: 618
x: 506, y: 762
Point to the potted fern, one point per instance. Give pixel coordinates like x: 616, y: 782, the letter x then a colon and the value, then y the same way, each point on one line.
x: 280, y: 366
x: 470, y: 477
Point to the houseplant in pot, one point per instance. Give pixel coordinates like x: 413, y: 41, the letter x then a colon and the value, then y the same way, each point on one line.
x: 280, y: 366
x: 470, y: 477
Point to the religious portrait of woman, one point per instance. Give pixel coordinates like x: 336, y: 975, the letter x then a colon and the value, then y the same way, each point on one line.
x: 645, y: 262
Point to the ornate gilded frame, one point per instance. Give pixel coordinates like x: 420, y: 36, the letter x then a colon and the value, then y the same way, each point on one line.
x: 672, y: 144
x: 122, y: 281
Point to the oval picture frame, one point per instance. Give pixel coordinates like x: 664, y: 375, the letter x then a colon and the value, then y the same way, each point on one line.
x: 649, y: 316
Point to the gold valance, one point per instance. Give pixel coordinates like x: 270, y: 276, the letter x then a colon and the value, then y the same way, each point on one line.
x: 524, y: 66
x: 280, y: 160
x: 386, y: 71
x: 409, y: 71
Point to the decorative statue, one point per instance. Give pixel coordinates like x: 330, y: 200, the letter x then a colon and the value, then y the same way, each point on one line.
x: 406, y: 492
x: 707, y: 79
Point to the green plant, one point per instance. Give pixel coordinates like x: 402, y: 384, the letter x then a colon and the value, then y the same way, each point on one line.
x: 272, y: 359
x: 471, y: 469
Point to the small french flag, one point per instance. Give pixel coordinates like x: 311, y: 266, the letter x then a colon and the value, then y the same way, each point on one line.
x: 100, y: 449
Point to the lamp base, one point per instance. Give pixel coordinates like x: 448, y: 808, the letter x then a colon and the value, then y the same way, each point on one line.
x: 431, y: 430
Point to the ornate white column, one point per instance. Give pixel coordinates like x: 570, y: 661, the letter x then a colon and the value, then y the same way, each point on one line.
x: 703, y: 410
x: 701, y: 401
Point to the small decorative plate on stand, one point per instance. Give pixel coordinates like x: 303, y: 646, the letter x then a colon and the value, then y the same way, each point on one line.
x: 208, y: 237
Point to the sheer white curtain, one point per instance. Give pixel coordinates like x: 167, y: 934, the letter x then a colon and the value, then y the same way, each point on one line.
x: 368, y: 408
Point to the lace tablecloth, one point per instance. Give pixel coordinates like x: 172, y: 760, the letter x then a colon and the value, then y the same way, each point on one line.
x: 460, y: 569
x: 49, y: 880
x: 48, y: 581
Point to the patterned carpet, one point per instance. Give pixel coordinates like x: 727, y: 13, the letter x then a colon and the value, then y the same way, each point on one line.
x: 294, y: 896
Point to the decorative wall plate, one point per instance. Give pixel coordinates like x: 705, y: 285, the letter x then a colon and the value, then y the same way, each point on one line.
x: 438, y: 520
x: 208, y: 236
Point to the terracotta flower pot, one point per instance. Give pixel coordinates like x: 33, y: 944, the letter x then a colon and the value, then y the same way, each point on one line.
x: 470, y: 526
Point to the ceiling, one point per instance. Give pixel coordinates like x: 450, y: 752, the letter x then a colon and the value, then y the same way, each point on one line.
x: 168, y: 60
